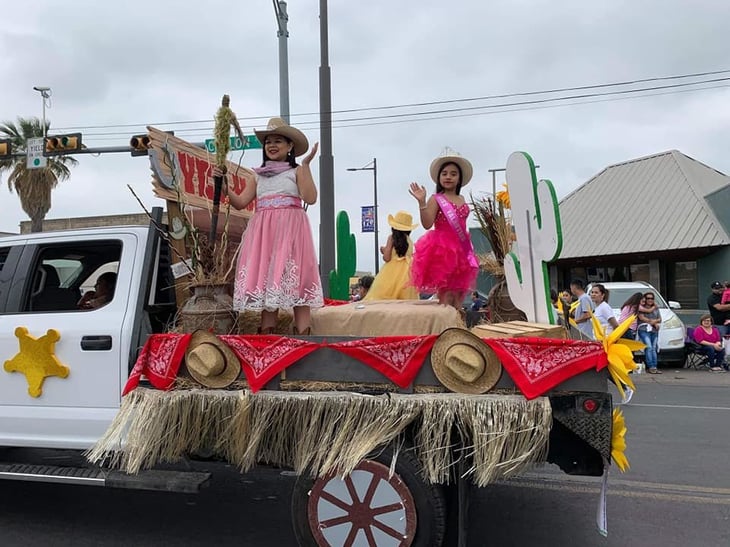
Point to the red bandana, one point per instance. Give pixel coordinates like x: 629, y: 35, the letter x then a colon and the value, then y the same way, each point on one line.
x: 398, y: 358
x: 159, y: 361
x: 537, y: 365
x: 263, y: 357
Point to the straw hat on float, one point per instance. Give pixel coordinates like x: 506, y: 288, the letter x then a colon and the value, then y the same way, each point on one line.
x: 451, y: 156
x: 464, y: 363
x: 277, y: 126
x: 210, y: 361
x: 402, y: 221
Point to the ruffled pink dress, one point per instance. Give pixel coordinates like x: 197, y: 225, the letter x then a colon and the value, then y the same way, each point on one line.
x: 439, y: 261
x: 277, y: 263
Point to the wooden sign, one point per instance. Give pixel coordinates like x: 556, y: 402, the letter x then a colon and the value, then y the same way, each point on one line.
x: 178, y: 166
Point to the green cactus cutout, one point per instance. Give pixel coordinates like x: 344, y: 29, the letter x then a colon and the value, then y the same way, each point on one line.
x: 346, y: 258
x: 536, y: 221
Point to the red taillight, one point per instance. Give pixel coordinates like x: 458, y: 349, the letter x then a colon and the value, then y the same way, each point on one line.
x: 590, y: 405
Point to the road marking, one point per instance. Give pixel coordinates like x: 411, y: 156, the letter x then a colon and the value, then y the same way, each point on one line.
x: 594, y: 488
x: 691, y: 407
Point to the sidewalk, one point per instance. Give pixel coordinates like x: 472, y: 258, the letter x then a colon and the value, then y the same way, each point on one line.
x: 684, y: 376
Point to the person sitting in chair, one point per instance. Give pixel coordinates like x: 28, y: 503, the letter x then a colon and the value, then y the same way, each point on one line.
x: 102, y: 293
x: 708, y: 336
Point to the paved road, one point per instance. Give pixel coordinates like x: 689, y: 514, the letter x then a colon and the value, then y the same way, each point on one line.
x: 676, y: 494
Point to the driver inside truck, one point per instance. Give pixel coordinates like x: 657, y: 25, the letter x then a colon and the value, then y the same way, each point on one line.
x: 102, y: 294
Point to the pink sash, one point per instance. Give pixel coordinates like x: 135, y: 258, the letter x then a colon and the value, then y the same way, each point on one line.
x: 449, y: 211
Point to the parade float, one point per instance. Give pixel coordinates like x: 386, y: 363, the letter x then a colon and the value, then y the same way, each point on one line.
x: 389, y: 413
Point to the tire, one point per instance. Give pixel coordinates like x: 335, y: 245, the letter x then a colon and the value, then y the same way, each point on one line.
x: 418, y: 509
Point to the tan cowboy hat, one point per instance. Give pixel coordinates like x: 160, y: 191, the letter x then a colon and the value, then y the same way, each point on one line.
x: 277, y: 126
x: 451, y: 156
x: 210, y: 361
x: 464, y: 363
x: 402, y: 221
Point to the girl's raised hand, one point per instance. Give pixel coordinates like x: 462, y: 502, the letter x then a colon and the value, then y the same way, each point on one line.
x: 418, y: 192
x: 307, y: 160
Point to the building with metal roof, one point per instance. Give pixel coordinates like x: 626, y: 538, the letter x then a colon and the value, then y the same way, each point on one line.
x: 663, y: 218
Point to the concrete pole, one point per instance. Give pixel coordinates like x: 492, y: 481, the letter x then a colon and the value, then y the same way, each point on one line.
x: 282, y: 18
x: 375, y: 207
x: 326, y: 160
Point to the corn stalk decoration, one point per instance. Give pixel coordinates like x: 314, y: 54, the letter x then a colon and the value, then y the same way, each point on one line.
x: 224, y: 119
x: 536, y: 221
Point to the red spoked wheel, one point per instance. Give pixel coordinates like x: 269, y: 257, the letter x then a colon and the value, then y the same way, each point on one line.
x: 369, y: 507
x: 364, y: 506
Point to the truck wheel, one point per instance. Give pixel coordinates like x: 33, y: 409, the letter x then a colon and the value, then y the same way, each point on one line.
x: 370, y: 507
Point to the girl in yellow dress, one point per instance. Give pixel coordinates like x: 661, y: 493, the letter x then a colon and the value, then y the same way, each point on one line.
x: 393, y: 282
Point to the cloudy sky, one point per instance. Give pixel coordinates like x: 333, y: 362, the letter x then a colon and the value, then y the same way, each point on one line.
x: 115, y: 67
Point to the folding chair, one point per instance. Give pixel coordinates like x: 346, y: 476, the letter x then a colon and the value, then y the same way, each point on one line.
x: 694, y: 357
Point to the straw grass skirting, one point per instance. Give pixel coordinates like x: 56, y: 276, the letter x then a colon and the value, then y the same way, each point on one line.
x: 321, y: 433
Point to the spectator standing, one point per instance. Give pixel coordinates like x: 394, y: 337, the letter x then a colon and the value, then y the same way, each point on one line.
x: 719, y: 312
x: 603, y: 312
x: 582, y: 314
x: 648, y: 329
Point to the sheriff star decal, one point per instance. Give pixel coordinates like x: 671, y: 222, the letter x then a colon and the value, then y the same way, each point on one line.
x: 36, y: 359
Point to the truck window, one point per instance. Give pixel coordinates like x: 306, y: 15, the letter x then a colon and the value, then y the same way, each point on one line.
x: 4, y: 251
x: 73, y: 277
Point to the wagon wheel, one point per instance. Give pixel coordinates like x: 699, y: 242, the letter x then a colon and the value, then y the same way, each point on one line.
x: 370, y: 506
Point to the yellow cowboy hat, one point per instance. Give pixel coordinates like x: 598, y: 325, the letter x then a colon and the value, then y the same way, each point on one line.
x: 402, y: 221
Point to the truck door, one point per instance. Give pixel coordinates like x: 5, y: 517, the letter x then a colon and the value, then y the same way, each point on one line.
x: 55, y: 328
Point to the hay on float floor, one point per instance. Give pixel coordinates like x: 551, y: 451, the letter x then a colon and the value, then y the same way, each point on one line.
x: 248, y: 322
x: 328, y: 432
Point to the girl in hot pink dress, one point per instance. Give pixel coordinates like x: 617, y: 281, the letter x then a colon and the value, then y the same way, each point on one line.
x: 277, y: 262
x: 444, y: 260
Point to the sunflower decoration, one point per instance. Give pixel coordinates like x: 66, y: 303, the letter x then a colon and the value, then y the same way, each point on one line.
x: 618, y: 441
x: 503, y: 197
x: 619, y: 351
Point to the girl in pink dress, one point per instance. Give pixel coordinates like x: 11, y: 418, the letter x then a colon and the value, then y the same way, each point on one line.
x: 444, y: 260
x: 277, y: 262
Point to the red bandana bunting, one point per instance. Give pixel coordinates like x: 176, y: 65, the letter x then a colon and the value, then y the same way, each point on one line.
x: 398, y: 358
x: 159, y: 361
x: 263, y: 357
x: 537, y: 365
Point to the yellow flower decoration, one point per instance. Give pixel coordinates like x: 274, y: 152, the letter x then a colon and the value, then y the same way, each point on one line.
x: 619, y: 351
x: 503, y: 197
x: 618, y: 441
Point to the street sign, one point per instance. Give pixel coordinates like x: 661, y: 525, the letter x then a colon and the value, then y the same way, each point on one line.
x: 35, y: 158
x: 236, y: 144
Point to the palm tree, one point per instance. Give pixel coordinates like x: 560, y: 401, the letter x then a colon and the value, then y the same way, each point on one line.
x: 33, y: 186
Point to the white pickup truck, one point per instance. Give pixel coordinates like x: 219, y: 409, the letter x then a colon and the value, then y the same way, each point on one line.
x: 65, y: 368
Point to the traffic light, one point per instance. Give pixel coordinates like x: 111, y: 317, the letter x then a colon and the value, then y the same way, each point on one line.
x: 5, y: 149
x: 140, y: 144
x: 60, y: 145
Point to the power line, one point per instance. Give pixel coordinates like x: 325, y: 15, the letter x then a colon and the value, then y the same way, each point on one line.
x: 492, y: 112
x: 431, y: 103
x: 641, y: 92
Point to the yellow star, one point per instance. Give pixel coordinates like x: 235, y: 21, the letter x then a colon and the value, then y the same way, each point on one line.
x: 36, y: 359
x: 619, y: 352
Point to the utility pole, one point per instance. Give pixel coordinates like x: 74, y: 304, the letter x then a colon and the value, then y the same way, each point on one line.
x: 326, y: 161
x: 282, y: 18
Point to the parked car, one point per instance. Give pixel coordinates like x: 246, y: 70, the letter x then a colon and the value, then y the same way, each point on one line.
x: 672, y: 331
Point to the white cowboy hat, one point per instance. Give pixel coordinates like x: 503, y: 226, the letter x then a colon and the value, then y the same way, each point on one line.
x: 464, y: 363
x: 402, y: 221
x: 210, y: 361
x: 451, y: 156
x: 277, y: 126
